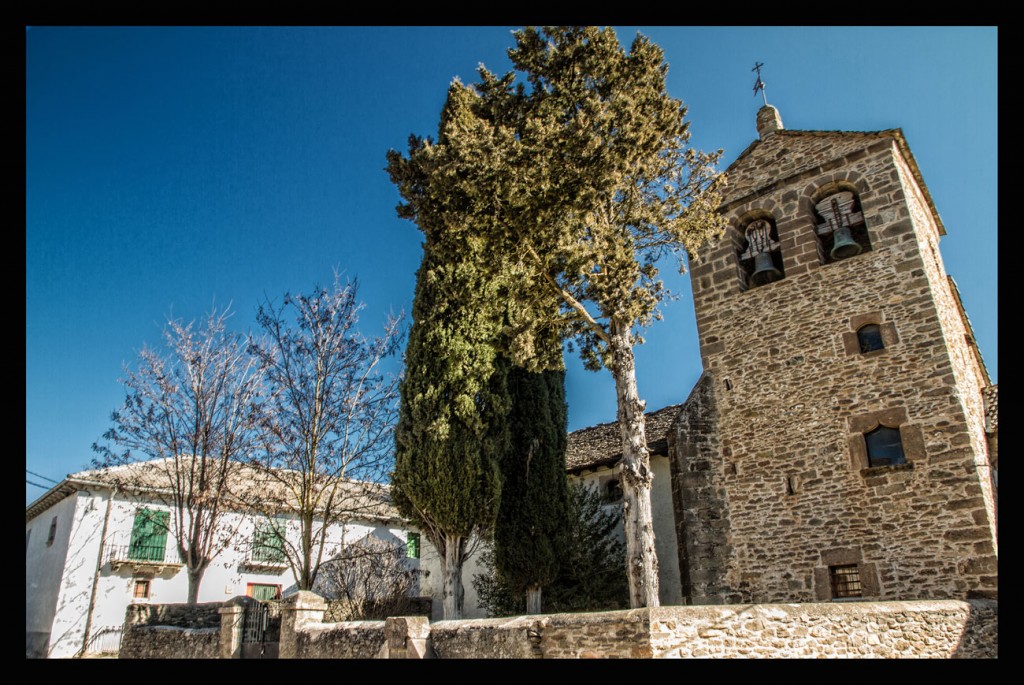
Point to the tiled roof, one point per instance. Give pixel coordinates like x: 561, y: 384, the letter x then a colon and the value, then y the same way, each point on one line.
x: 991, y: 394
x: 271, y: 488
x: 601, y: 445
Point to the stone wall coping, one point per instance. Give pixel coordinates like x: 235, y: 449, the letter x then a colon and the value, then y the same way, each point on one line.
x: 312, y: 627
x: 820, y: 608
x: 177, y: 629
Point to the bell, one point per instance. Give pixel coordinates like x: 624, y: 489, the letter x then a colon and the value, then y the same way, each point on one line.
x: 844, y: 245
x: 764, y: 271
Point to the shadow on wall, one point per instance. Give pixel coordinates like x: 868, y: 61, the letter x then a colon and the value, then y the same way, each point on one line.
x: 980, y: 636
x: 73, y: 603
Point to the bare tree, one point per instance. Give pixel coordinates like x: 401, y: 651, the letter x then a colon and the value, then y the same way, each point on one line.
x: 326, y: 428
x: 187, y: 418
x: 372, y: 578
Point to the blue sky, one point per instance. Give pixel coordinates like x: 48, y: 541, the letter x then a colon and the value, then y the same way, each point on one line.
x: 172, y: 169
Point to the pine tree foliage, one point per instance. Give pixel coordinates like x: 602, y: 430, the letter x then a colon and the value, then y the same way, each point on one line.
x: 591, y: 564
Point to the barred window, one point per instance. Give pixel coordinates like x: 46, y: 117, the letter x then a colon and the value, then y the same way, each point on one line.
x: 845, y: 581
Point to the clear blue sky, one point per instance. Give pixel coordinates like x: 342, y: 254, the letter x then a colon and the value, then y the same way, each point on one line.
x: 170, y: 169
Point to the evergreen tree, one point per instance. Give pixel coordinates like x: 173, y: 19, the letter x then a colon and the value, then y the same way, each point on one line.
x: 450, y: 429
x: 578, y: 182
x: 591, y: 564
x: 529, y: 531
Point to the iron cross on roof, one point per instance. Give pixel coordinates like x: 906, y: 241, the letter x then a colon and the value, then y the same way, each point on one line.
x: 759, y: 85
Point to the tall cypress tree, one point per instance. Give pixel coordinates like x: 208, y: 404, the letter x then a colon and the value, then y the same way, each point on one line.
x: 530, y: 527
x: 451, y: 427
x: 451, y: 421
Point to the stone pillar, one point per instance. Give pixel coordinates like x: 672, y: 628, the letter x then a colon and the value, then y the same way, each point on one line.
x: 232, y: 616
x: 301, y: 608
x: 768, y: 121
x: 407, y: 637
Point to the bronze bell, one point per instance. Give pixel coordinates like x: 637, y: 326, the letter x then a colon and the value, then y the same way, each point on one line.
x: 764, y: 271
x: 844, y: 245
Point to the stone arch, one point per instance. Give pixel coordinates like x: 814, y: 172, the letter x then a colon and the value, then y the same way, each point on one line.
x: 757, y: 247
x: 837, y: 217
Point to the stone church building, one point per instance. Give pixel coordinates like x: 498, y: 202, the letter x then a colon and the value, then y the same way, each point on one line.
x: 841, y: 441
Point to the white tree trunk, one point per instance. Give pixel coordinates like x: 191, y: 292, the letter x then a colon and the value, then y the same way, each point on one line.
x: 451, y: 588
x: 533, y: 605
x: 636, y: 475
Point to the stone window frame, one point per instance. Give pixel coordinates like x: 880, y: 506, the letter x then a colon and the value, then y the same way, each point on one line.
x: 739, y: 240
x: 862, y: 231
x: 911, y: 437
x: 851, y: 341
x: 845, y: 556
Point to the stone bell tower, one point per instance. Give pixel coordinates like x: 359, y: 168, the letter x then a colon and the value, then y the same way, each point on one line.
x: 835, y: 446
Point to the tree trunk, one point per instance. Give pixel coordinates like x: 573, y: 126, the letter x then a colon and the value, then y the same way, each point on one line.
x: 451, y: 589
x: 641, y: 559
x: 195, y: 576
x: 533, y: 605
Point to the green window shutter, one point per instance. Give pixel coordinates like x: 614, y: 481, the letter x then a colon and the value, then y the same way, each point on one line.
x: 149, y: 535
x: 268, y: 542
x: 412, y: 546
x: 264, y: 593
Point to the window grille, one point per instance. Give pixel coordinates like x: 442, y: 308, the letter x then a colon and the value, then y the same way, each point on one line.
x: 845, y: 581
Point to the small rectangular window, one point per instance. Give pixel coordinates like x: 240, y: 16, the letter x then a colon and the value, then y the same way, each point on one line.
x: 412, y: 546
x: 263, y: 591
x: 884, y: 446
x: 845, y: 581
x: 141, y: 590
x: 28, y: 536
x: 53, y: 532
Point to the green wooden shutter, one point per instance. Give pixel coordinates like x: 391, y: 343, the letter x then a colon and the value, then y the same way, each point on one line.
x: 412, y: 546
x: 149, y: 535
x: 267, y: 542
x: 264, y: 593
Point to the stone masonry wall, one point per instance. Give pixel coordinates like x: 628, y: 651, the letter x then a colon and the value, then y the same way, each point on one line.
x: 793, y: 400
x: 928, y: 629
x: 698, y: 495
x: 342, y: 640
x: 202, y: 615
x: 785, y: 154
x: 171, y: 631
x: 875, y: 630
x: 970, y: 377
x: 169, y: 642
x: 917, y: 629
x: 608, y: 634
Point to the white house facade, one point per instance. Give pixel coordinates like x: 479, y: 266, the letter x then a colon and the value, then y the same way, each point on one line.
x: 91, y: 549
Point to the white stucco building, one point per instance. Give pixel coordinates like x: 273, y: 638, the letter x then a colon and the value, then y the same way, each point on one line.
x: 91, y: 549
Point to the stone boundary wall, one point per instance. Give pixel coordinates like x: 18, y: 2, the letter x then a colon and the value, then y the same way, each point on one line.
x: 182, y: 615
x: 910, y: 629
x: 913, y: 629
x: 874, y: 630
x: 169, y: 642
x: 341, y: 640
x: 171, y: 631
